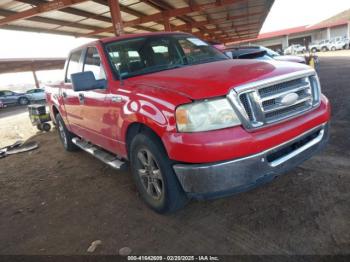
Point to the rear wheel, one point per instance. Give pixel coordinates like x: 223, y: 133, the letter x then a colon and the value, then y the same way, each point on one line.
x: 23, y: 101
x: 314, y: 50
x: 324, y: 49
x: 65, y: 135
x: 154, y: 175
x: 333, y: 48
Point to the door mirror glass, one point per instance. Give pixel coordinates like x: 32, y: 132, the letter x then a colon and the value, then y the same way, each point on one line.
x: 85, y: 81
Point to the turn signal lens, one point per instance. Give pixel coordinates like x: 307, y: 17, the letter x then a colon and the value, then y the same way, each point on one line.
x: 181, y: 117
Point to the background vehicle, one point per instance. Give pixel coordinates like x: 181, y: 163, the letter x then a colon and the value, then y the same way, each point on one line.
x: 295, y: 49
x: 36, y: 94
x: 261, y: 52
x: 10, y: 97
x: 191, y: 122
x: 319, y: 46
x: 334, y: 45
x: 245, y: 53
x: 2, y: 104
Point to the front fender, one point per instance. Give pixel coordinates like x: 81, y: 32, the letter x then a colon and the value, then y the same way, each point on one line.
x: 149, y: 107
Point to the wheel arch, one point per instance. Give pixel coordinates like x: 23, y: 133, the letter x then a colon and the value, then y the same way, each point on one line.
x: 54, y: 113
x: 136, y: 128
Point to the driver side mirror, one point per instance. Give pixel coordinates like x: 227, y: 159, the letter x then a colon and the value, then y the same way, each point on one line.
x: 85, y: 81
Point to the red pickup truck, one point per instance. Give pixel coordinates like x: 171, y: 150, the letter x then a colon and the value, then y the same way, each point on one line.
x: 190, y: 122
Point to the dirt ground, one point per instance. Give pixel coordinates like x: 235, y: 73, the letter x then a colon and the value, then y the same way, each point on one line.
x: 54, y: 202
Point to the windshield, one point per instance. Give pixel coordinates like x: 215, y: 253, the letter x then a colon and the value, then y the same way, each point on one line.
x: 146, y: 55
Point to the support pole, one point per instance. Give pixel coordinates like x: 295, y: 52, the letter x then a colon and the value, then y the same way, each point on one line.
x: 36, y: 79
x: 116, y: 17
x: 167, y: 25
x: 188, y: 28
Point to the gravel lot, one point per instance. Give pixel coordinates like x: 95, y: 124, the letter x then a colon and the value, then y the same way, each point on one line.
x: 54, y: 202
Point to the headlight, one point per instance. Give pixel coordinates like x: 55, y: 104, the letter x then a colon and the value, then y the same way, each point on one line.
x: 206, y: 115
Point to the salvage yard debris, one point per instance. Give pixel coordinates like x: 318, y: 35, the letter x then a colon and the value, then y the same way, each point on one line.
x: 125, y: 251
x: 94, y: 245
x: 18, y: 147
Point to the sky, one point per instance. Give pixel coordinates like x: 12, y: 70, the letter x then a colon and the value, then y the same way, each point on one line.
x: 15, y: 44
x: 292, y: 13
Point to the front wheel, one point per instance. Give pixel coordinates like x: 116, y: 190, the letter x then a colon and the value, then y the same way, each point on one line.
x: 65, y: 135
x: 154, y: 175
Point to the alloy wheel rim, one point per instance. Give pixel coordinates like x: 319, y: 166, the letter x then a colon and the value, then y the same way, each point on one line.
x: 62, y: 133
x: 22, y: 101
x: 150, y: 174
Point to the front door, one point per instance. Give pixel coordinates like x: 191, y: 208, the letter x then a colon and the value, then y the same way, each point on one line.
x: 100, y: 120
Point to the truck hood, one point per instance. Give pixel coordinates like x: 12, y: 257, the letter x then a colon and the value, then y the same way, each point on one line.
x: 214, y: 79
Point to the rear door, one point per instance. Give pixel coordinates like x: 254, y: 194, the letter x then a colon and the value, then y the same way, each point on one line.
x: 70, y: 99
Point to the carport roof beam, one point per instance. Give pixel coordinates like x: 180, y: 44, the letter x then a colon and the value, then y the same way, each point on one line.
x: 170, y: 13
x: 43, y: 8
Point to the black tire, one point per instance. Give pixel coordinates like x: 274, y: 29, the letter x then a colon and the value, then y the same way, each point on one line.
x: 314, y: 50
x: 65, y: 135
x: 39, y: 127
x: 324, y: 49
x: 172, y: 196
x: 333, y: 48
x: 23, y: 101
x: 46, y: 127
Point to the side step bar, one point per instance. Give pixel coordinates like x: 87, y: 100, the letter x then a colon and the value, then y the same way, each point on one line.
x: 100, y: 154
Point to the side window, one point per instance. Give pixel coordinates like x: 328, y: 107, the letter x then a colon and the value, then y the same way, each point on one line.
x: 8, y: 93
x: 73, y: 64
x: 93, y: 63
x: 30, y: 91
x: 2, y: 93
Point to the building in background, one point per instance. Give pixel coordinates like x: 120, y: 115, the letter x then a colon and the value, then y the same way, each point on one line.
x: 336, y: 26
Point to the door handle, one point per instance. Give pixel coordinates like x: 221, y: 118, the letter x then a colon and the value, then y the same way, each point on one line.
x: 81, y: 97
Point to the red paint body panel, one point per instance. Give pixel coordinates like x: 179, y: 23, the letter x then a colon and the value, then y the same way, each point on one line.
x: 151, y: 100
x: 215, y: 79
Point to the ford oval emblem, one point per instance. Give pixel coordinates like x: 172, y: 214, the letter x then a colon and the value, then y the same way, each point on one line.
x: 289, y: 99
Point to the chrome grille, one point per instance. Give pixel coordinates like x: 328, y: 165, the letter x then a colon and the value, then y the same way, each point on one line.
x: 274, y: 100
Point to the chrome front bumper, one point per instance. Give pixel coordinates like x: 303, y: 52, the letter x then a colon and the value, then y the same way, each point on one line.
x: 229, y: 177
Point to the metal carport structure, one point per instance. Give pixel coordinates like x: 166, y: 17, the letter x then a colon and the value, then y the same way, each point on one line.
x: 218, y: 20
x: 16, y: 65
